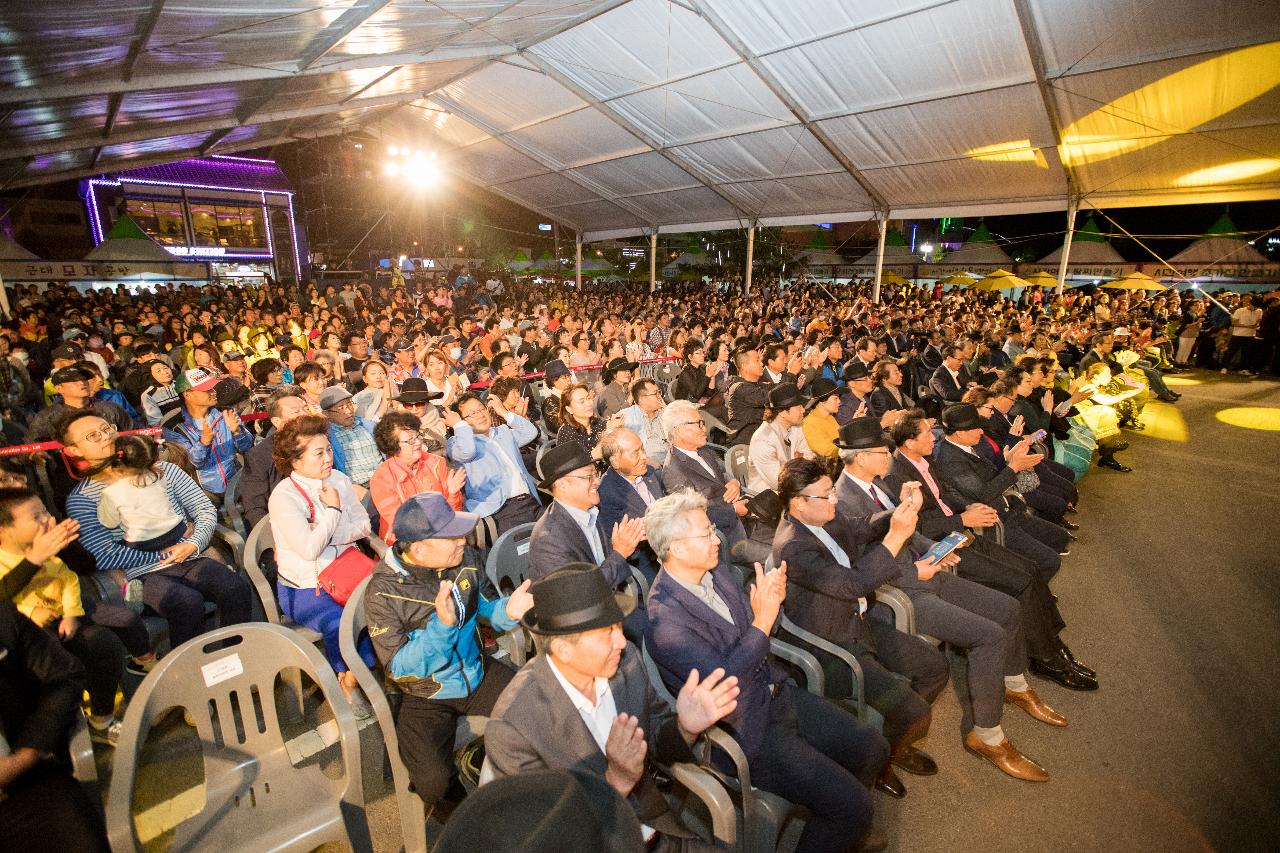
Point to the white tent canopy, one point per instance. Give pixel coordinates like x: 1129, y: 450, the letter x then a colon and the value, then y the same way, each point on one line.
x: 11, y: 250
x: 625, y: 117
x: 1222, y: 244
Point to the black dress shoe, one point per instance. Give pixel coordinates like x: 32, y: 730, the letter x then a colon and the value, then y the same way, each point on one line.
x: 1065, y: 653
x: 1070, y: 525
x: 1114, y: 466
x: 1071, y: 508
x: 1058, y: 670
x: 914, y: 761
x: 890, y: 784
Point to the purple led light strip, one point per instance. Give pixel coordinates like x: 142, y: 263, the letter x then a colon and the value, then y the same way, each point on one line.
x: 98, y: 236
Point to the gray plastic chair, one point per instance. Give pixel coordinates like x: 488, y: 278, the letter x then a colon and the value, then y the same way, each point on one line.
x: 508, y: 560
x: 413, y: 816
x: 763, y: 815
x: 83, y: 765
x: 255, y: 798
x: 735, y: 462
x: 231, y: 504
x: 486, y: 532
x: 713, y: 422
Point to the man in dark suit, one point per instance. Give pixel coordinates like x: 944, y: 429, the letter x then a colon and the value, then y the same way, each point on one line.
x: 976, y: 479
x: 835, y: 568
x: 570, y: 531
x: 260, y: 474
x: 984, y: 622
x: 799, y: 746
x: 628, y: 487
x: 693, y: 465
x: 857, y: 378
x: 951, y: 379
x: 984, y: 561
x: 585, y: 703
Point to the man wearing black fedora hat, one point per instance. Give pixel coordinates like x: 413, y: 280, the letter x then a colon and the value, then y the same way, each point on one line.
x: 957, y: 464
x: 570, y: 531
x: 985, y: 561
x: 778, y: 439
x: 585, y: 703
x: 986, y: 623
x: 617, y: 386
x: 422, y: 604
x: 856, y: 402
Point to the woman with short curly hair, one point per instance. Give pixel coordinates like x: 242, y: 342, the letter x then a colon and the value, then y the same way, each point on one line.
x: 408, y: 470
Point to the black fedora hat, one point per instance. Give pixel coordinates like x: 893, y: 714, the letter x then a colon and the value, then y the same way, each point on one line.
x: 855, y: 370
x: 563, y: 459
x: 784, y: 396
x: 575, y: 598
x: 961, y: 417
x: 414, y: 390
x: 821, y: 389
x: 543, y: 811
x: 861, y: 434
x: 618, y: 364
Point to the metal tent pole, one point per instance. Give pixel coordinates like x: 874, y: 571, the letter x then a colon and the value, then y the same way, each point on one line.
x: 578, y: 259
x: 751, y: 254
x: 1066, y: 244
x: 884, y: 230
x: 653, y: 261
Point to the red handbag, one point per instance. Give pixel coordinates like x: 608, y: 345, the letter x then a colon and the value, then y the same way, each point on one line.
x: 341, y: 577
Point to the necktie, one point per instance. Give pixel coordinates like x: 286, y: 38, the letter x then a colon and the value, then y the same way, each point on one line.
x: 876, y: 498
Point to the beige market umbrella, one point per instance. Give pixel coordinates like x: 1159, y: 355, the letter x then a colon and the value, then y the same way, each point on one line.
x: 963, y: 279
x: 1042, y: 279
x: 1135, y: 281
x: 1001, y: 279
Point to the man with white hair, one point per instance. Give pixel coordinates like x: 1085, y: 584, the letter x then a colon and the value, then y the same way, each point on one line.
x: 799, y: 745
x: 693, y: 465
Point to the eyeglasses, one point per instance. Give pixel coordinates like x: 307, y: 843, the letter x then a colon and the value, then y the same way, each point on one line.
x: 101, y: 434
x: 413, y: 440
x: 708, y: 534
x: 594, y: 477
x: 476, y: 414
x: 699, y: 424
x: 829, y: 497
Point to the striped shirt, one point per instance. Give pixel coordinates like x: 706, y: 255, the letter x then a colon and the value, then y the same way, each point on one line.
x: 107, y: 544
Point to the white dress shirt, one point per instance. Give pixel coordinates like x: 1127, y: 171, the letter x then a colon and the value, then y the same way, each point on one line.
x: 839, y: 553
x: 693, y: 454
x: 586, y: 520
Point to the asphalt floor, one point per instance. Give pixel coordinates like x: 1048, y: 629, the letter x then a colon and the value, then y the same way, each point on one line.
x: 1170, y: 594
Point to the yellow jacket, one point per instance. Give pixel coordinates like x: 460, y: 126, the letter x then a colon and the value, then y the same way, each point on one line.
x: 55, y: 587
x: 821, y: 431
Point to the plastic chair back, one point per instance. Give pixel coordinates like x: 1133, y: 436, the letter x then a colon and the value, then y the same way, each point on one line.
x: 231, y: 503
x: 255, y: 798
x: 83, y: 765
x: 508, y: 560
x: 260, y: 540
x: 736, y: 463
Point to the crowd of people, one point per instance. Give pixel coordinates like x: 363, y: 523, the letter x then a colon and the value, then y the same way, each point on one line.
x: 699, y: 467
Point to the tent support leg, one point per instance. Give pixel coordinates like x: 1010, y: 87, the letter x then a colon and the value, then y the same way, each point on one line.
x: 578, y: 259
x: 751, y: 254
x: 1066, y: 244
x: 884, y: 230
x: 653, y: 261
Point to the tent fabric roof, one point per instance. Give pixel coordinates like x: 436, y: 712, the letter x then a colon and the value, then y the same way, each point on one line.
x: 11, y: 250
x: 128, y: 242
x: 619, y: 117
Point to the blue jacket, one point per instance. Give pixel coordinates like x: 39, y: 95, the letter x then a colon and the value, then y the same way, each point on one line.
x: 684, y: 634
x: 422, y: 655
x: 215, y: 464
x: 488, y: 477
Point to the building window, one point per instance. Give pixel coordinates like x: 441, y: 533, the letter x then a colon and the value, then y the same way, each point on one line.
x: 162, y: 220
x: 229, y: 225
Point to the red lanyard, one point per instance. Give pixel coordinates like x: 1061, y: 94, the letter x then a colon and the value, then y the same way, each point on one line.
x: 311, y: 507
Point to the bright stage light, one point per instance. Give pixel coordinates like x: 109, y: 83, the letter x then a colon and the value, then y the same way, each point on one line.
x: 422, y: 172
x: 418, y: 154
x: 393, y: 169
x: 393, y: 151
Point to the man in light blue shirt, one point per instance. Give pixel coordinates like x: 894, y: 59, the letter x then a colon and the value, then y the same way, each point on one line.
x: 498, y: 484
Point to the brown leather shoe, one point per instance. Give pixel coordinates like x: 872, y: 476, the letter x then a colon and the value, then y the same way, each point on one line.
x: 1035, y: 706
x: 1008, y: 759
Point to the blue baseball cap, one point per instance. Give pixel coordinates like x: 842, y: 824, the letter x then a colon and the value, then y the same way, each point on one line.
x: 429, y: 516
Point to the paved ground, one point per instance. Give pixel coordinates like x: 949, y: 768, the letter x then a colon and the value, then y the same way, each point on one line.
x: 1170, y: 594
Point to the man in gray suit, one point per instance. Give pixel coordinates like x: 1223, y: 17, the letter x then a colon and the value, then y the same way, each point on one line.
x: 585, y: 703
x: 984, y: 622
x: 693, y: 465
